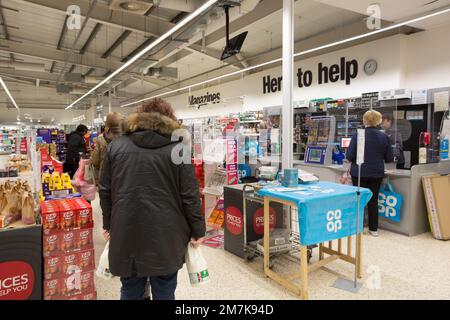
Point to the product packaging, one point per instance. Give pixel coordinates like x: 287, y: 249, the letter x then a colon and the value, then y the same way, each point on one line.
x: 67, y: 215
x: 86, y: 260
x: 51, y: 242
x: 68, y: 241
x: 85, y: 239
x: 52, y: 267
x: 83, y: 212
x: 50, y: 215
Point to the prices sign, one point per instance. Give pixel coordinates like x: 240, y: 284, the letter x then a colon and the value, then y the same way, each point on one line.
x: 16, y: 280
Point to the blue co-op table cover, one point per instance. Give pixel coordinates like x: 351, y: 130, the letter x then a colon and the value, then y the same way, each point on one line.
x: 326, y: 210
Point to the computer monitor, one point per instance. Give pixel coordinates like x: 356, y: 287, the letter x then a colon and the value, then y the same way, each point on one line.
x: 345, y: 142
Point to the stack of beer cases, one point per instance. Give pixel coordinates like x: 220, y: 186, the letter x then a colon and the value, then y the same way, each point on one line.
x: 68, y: 250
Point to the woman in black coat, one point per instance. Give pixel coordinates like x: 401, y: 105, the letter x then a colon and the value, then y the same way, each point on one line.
x: 377, y: 151
x: 150, y: 203
x: 76, y: 147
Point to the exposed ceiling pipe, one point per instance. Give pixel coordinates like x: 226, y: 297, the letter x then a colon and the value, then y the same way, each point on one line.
x: 23, y: 66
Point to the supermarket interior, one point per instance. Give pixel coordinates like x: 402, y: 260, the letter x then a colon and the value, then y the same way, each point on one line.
x: 224, y: 150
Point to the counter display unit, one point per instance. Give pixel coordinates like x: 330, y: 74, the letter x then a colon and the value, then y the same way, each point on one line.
x: 21, y: 263
x: 414, y: 219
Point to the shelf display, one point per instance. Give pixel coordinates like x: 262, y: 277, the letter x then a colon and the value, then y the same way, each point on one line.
x: 17, y: 203
x: 68, y: 250
x: 320, y: 140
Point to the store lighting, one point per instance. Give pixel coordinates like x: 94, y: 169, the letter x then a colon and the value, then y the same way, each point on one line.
x: 333, y: 44
x: 177, y: 27
x: 8, y: 93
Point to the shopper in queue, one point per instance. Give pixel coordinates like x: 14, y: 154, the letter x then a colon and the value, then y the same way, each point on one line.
x: 395, y: 138
x: 112, y: 131
x: 378, y: 150
x: 76, y: 148
x: 150, y: 203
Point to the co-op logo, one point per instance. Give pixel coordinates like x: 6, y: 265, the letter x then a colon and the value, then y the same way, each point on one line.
x: 386, y: 205
x: 334, y: 218
x: 16, y: 280
x: 234, y: 220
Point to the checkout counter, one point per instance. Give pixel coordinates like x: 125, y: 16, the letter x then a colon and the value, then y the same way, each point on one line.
x: 414, y: 216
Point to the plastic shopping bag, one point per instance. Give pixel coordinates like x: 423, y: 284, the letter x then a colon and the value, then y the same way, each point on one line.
x: 389, y: 203
x: 103, y: 265
x: 196, y: 266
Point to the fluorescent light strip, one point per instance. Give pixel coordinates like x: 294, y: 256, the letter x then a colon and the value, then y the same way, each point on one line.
x: 333, y: 44
x: 177, y: 27
x: 8, y: 93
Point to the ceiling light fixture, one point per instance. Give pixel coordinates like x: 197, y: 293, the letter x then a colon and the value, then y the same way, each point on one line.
x: 330, y: 45
x: 177, y: 27
x: 8, y: 93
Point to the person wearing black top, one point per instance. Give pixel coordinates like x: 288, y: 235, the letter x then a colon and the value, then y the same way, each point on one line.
x: 76, y: 147
x: 378, y: 150
x: 395, y: 138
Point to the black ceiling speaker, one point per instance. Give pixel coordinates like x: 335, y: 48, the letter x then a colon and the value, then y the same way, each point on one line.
x: 233, y: 46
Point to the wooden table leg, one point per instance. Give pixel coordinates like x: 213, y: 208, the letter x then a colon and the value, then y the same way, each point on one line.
x: 304, y: 272
x: 359, y: 253
x: 321, y: 251
x: 349, y: 246
x: 266, y: 235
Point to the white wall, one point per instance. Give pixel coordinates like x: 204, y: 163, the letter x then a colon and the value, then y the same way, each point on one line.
x: 418, y: 61
x: 428, y: 59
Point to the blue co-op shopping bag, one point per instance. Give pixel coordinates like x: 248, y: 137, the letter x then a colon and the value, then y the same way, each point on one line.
x: 389, y: 203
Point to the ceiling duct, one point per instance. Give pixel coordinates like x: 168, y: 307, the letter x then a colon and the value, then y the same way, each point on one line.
x: 23, y: 66
x: 164, y: 73
x: 62, y: 88
x: 92, y: 79
x: 131, y: 6
x: 73, y: 77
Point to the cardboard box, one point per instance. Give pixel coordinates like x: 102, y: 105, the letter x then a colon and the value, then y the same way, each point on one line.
x: 52, y: 267
x: 68, y: 241
x: 51, y: 240
x: 85, y: 239
x: 86, y: 260
x: 70, y: 263
x: 52, y: 288
x: 50, y: 215
x: 67, y: 215
x: 83, y: 211
x: 436, y: 190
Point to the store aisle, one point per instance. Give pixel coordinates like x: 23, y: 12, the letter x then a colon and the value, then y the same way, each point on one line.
x: 395, y: 267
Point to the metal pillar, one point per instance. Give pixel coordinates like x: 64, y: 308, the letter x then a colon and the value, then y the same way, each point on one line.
x: 288, y: 83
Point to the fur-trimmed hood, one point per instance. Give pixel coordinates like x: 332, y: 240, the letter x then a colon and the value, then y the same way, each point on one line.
x: 150, y: 130
x: 153, y: 121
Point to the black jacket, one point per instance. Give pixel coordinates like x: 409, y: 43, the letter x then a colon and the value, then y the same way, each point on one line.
x: 75, y: 145
x: 151, y: 206
x: 377, y: 151
x: 395, y: 137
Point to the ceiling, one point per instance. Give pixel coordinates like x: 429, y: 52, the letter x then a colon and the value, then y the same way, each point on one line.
x: 33, y: 31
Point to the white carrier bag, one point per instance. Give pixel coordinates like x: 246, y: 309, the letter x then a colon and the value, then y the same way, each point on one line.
x: 196, y: 266
x: 103, y: 265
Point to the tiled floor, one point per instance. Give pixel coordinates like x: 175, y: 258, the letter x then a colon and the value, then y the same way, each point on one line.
x: 395, y: 267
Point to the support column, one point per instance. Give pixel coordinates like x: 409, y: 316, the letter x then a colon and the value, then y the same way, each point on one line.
x: 288, y: 83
